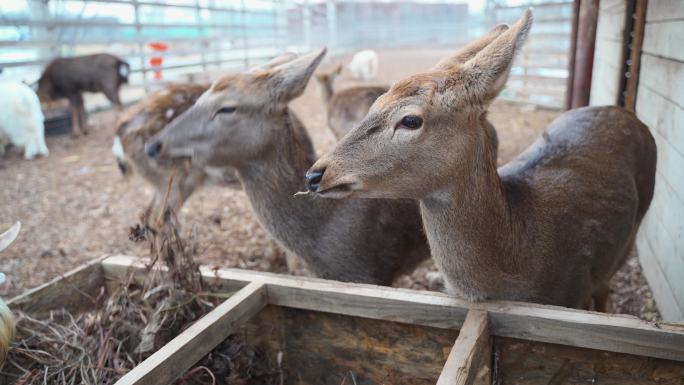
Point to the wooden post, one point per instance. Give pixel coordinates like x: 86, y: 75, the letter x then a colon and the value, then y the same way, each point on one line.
x: 584, y: 52
x: 469, y: 362
x: 572, y: 54
x: 182, y: 352
x: 637, y: 40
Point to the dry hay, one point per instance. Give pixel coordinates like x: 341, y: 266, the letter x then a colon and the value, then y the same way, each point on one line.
x: 126, y: 327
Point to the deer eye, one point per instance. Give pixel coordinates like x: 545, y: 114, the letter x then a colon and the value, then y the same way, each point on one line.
x: 411, y: 122
x: 226, y: 110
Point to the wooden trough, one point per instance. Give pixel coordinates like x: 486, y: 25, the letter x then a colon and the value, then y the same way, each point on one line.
x: 335, y: 333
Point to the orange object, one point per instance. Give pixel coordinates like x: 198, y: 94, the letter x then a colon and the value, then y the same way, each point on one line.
x: 157, y: 61
x: 158, y: 46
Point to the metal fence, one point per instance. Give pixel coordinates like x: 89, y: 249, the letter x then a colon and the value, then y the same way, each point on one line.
x: 171, y: 40
x: 540, y: 72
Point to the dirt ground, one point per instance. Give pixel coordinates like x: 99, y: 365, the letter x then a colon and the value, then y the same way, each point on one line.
x: 74, y: 205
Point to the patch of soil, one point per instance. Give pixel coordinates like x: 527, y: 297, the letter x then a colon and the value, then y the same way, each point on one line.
x: 74, y: 205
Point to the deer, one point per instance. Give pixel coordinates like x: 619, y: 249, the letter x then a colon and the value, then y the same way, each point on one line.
x: 70, y: 77
x: 244, y: 121
x: 551, y: 226
x: 346, y: 107
x: 173, y: 183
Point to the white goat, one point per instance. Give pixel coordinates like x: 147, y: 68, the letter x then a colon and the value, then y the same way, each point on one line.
x: 21, y: 119
x: 8, y: 324
x: 364, y: 65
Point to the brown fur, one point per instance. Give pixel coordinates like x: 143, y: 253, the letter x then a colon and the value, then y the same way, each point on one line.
x: 552, y: 226
x: 145, y: 119
x: 70, y: 77
x: 358, y: 240
x: 346, y: 108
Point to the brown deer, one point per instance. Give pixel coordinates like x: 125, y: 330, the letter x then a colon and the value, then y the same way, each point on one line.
x: 146, y: 118
x: 345, y: 108
x: 552, y: 226
x: 244, y: 122
x: 70, y: 77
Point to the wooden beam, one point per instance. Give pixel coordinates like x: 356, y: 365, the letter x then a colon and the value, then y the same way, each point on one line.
x: 573, y: 52
x: 470, y: 360
x: 584, y: 55
x: 181, y: 353
x: 552, y: 324
x: 75, y: 291
x: 637, y: 36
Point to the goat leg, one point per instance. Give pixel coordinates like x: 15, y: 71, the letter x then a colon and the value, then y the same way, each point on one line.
x: 83, y: 119
x: 75, y: 126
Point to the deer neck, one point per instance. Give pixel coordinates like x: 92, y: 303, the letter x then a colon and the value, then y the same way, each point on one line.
x: 271, y: 180
x: 468, y: 225
x: 327, y: 91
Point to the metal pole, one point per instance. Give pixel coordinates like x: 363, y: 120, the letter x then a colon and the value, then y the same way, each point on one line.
x: 141, y: 44
x: 200, y: 26
x: 243, y: 19
x: 306, y: 15
x: 331, y: 16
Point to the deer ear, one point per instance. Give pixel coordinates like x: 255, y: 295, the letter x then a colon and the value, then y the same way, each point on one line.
x: 287, y: 81
x: 486, y: 73
x: 470, y: 50
x: 276, y: 61
x: 338, y: 70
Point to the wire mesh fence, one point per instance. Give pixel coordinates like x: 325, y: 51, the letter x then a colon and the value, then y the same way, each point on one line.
x: 177, y: 40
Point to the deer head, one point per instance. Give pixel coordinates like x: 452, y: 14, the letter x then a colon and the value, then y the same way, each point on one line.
x: 229, y: 123
x: 427, y: 131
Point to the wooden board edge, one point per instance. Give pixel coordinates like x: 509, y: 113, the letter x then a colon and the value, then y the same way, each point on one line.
x: 73, y: 290
x: 542, y: 323
x: 470, y: 359
x: 180, y: 354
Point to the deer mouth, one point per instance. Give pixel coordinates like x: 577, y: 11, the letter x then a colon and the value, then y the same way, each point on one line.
x: 342, y: 190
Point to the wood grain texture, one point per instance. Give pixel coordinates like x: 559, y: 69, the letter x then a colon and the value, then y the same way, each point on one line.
x: 662, y: 10
x: 181, y: 353
x: 550, y: 324
x: 74, y: 291
x: 665, y: 39
x: 331, y: 349
x: 662, y: 291
x: 635, y: 51
x: 534, y: 363
x: 664, y: 75
x: 469, y: 362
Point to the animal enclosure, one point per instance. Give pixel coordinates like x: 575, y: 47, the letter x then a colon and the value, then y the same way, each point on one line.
x: 325, y: 332
x: 75, y: 204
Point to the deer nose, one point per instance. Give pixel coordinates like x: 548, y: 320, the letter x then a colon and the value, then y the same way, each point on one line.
x: 153, y: 149
x: 313, y: 179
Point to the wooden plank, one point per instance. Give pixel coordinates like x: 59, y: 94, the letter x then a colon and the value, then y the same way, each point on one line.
x: 534, y: 363
x: 181, y: 353
x: 656, y: 230
x: 661, y: 115
x: 664, y: 75
x: 469, y: 362
x: 321, y: 348
x: 660, y: 10
x: 631, y: 83
x: 75, y: 291
x: 552, y: 324
x: 662, y: 291
x: 665, y: 39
